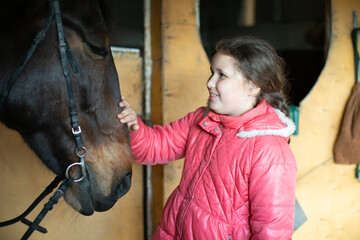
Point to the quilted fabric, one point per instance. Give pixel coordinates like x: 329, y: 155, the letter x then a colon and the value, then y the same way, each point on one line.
x: 239, y: 174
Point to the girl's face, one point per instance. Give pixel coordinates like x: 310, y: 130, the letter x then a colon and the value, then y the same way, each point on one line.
x: 230, y: 93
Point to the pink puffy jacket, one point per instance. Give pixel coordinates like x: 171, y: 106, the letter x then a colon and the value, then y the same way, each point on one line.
x: 238, y: 180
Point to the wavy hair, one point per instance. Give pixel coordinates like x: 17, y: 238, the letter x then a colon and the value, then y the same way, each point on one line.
x: 259, y: 62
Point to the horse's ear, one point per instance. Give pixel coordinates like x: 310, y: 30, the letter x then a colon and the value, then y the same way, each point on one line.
x: 124, y: 20
x: 114, y: 12
x: 108, y: 10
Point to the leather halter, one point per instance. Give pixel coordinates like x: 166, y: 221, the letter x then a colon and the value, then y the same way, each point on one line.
x: 65, y: 55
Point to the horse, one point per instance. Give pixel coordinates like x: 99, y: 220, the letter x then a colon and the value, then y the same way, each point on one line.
x: 37, y: 103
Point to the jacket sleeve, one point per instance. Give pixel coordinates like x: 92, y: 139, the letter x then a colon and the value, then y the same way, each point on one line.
x: 272, y: 183
x: 161, y: 144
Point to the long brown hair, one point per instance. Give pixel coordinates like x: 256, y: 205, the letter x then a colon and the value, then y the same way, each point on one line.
x: 259, y: 63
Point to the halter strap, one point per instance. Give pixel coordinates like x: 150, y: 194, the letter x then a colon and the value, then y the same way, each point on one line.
x: 65, y: 53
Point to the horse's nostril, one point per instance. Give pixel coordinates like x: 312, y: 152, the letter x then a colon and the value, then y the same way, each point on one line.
x: 124, y: 185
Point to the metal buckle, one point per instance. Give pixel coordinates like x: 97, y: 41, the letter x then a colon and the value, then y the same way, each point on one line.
x: 76, y: 132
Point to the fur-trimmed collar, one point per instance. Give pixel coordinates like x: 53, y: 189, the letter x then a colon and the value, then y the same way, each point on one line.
x: 283, y: 132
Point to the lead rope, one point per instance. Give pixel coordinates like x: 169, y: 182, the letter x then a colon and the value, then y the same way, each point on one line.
x: 47, y: 207
x: 46, y: 192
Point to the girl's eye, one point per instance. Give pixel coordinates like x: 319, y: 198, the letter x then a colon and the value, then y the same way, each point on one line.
x: 221, y: 75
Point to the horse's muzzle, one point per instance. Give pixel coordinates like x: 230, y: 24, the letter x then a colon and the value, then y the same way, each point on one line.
x: 124, y: 185
x: 122, y: 188
x: 95, y: 194
x: 101, y: 200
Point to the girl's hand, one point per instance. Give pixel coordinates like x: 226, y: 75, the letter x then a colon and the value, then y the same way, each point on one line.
x: 128, y: 115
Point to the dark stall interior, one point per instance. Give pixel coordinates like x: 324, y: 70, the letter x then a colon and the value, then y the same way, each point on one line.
x: 297, y: 29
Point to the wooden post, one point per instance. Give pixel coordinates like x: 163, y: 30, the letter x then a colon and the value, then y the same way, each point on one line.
x: 185, y: 70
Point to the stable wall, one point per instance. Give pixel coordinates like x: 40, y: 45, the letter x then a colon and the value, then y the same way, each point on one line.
x: 23, y: 178
x: 328, y: 193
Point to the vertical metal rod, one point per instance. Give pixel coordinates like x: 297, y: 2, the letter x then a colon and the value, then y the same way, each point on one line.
x: 354, y: 19
x: 197, y: 9
x: 148, y: 192
x: 356, y: 44
x: 357, y: 72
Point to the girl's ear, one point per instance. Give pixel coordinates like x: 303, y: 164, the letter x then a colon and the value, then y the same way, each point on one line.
x: 253, y: 89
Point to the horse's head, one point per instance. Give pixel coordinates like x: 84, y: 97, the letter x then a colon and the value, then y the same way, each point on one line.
x: 37, y: 105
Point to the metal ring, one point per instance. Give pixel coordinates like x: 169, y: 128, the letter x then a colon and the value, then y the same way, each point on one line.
x: 83, y: 172
x: 79, y: 154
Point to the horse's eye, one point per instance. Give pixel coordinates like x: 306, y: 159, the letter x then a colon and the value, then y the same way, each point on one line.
x: 97, y: 50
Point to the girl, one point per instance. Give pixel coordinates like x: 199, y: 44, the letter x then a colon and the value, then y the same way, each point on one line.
x: 238, y: 180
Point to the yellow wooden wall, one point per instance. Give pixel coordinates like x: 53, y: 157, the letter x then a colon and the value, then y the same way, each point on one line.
x: 23, y: 178
x: 328, y: 193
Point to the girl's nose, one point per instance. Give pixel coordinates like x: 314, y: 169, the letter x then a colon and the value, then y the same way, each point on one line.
x: 210, y: 83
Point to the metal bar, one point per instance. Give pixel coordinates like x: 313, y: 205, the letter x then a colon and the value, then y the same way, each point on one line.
x: 148, y: 192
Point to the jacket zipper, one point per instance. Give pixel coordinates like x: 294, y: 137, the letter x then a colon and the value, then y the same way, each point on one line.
x: 193, y: 196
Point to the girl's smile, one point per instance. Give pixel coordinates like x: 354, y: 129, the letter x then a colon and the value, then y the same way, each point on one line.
x: 213, y: 96
x: 230, y: 93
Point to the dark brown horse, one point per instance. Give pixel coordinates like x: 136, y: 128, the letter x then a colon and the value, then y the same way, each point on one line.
x: 37, y: 104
